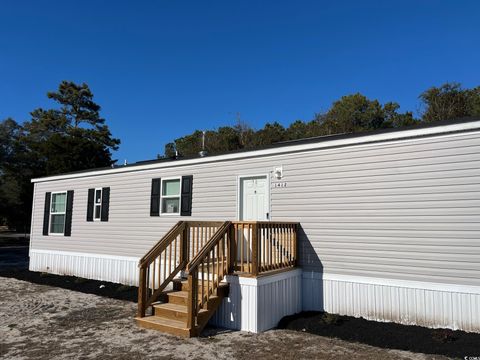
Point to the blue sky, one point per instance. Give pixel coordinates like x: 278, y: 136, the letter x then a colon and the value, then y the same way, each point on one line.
x: 161, y: 69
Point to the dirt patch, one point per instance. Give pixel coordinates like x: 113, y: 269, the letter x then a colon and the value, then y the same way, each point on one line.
x: 386, y: 335
x: 44, y: 322
x: 97, y: 315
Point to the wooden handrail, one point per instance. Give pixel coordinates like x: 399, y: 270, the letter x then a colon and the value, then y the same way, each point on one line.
x: 160, y: 245
x: 204, y: 223
x: 265, y: 222
x: 152, y: 280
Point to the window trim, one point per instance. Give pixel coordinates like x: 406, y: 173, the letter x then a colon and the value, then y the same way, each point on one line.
x: 57, y: 213
x: 171, y: 196
x: 95, y: 204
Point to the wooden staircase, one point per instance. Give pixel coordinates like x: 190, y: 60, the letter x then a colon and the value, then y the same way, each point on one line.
x: 204, y: 257
x: 181, y: 282
x: 170, y: 315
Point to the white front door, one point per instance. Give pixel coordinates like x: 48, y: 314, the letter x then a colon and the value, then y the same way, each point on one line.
x: 254, y: 198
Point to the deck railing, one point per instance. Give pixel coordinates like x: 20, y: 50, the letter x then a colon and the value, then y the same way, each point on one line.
x: 199, y: 233
x: 263, y: 246
x: 209, y: 250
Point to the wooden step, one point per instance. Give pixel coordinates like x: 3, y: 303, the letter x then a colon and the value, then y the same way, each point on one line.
x: 176, y: 312
x: 169, y: 326
x: 182, y: 285
x: 171, y: 316
x: 176, y: 297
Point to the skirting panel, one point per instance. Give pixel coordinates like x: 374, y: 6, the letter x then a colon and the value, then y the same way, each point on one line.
x: 258, y: 304
x: 123, y: 270
x: 422, y: 304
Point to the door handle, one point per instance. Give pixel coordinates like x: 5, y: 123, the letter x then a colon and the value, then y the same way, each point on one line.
x: 268, y: 216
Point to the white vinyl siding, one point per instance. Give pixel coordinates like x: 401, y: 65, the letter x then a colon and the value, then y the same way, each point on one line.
x: 407, y: 209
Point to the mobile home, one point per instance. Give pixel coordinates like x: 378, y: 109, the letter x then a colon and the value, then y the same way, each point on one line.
x: 383, y: 225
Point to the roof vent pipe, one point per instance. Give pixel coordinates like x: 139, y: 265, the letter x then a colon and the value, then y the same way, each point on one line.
x: 203, y: 152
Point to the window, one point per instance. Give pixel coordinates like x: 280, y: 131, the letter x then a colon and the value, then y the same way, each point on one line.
x: 169, y: 196
x: 57, y: 213
x: 98, y: 204
x: 170, y: 199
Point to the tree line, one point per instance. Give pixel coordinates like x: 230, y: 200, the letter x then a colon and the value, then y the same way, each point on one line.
x: 72, y: 136
x: 68, y: 137
x: 350, y: 114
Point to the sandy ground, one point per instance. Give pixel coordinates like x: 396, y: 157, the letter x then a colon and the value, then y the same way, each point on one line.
x: 43, y: 322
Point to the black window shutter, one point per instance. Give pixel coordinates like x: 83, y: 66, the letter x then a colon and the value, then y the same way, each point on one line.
x: 91, y: 196
x: 105, y: 204
x: 46, y: 213
x: 155, y: 198
x: 187, y: 182
x: 68, y: 213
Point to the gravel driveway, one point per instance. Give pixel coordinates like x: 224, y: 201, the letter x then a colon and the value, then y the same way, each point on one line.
x: 44, y: 322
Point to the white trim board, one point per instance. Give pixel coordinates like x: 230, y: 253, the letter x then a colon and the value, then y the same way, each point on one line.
x: 263, y: 280
x: 365, y: 140
x: 32, y: 219
x: 92, y: 255
x: 465, y: 289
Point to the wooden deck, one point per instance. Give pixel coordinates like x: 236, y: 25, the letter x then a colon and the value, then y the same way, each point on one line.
x: 205, y: 252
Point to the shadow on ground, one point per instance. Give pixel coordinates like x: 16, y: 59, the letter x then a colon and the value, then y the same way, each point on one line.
x: 386, y: 335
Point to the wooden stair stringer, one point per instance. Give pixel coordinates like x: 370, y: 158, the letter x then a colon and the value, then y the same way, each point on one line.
x: 213, y: 304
